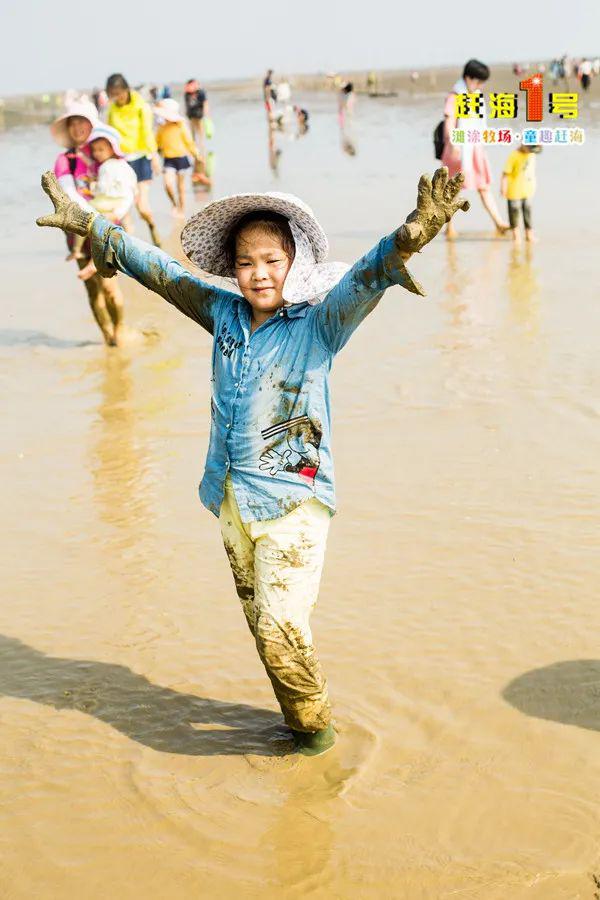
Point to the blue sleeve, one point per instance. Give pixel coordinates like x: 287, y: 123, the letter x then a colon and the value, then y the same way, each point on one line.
x: 359, y: 292
x: 115, y: 251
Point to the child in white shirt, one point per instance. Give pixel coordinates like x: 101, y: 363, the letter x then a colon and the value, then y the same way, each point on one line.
x: 116, y: 186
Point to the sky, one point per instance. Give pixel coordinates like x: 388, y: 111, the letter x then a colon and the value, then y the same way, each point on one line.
x: 55, y: 44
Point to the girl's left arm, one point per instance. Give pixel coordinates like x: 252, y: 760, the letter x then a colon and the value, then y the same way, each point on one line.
x: 359, y: 291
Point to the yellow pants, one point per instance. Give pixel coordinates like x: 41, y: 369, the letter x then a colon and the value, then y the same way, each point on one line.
x: 276, y: 567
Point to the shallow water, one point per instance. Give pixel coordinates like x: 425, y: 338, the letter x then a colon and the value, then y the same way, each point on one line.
x: 457, y: 619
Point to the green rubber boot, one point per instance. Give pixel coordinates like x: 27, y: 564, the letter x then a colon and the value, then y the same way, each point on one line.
x: 314, y: 743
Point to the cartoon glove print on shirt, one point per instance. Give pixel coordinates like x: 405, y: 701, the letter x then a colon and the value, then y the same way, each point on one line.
x: 297, y: 449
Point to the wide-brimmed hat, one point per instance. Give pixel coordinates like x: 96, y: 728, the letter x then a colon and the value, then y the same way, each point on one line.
x: 203, y: 238
x: 59, y: 128
x: 109, y: 134
x: 309, y: 279
x: 168, y: 109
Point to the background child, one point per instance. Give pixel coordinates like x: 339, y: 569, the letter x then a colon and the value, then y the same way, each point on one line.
x: 115, y: 187
x: 518, y: 187
x: 269, y: 472
x: 129, y: 113
x: 196, y: 108
x: 174, y: 144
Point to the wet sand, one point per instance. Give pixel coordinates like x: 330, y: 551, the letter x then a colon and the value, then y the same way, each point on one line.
x: 457, y: 617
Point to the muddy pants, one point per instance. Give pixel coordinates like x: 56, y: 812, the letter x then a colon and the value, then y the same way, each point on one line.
x: 276, y: 565
x: 514, y: 210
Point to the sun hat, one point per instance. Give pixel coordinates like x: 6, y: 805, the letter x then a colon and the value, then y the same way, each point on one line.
x: 109, y: 134
x: 59, y: 128
x: 168, y: 109
x: 309, y: 278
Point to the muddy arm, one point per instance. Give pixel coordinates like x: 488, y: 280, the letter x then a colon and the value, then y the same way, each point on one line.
x: 115, y: 251
x: 359, y: 291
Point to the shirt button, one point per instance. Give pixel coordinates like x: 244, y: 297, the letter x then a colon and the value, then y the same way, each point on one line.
x: 237, y: 384
x: 229, y: 425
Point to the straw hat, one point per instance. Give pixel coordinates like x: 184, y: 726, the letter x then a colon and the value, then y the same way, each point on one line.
x: 59, y: 128
x: 109, y: 134
x: 168, y: 109
x: 204, y: 236
x: 309, y: 278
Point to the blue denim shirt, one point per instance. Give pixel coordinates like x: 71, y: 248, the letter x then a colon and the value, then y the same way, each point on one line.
x: 270, y: 411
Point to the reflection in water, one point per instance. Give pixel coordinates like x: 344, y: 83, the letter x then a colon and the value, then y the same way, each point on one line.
x: 273, y: 148
x: 301, y: 842
x: 470, y: 352
x: 457, y: 279
x: 523, y: 289
x: 348, y: 143
x: 119, y: 462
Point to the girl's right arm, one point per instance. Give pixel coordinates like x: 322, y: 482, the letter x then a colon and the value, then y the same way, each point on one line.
x: 115, y: 251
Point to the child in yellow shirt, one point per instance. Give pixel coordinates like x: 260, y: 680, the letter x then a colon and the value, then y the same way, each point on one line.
x: 175, y: 145
x: 518, y: 187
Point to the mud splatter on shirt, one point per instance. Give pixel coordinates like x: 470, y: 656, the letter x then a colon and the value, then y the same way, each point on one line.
x: 270, y: 409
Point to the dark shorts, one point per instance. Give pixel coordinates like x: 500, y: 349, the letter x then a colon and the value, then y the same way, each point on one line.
x: 142, y: 168
x: 179, y: 163
x: 514, y: 210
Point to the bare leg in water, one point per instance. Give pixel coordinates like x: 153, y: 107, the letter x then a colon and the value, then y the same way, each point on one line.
x: 489, y: 204
x: 97, y: 303
x: 113, y: 299
x: 143, y: 207
x: 169, y: 182
x: 181, y: 193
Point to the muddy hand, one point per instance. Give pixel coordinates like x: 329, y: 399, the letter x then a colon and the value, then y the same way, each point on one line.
x: 67, y: 214
x: 437, y: 201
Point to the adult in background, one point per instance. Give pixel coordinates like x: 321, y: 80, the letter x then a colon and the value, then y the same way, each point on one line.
x: 470, y: 158
x: 76, y: 170
x: 196, y: 109
x: 269, y: 92
x: 132, y: 117
x: 584, y: 72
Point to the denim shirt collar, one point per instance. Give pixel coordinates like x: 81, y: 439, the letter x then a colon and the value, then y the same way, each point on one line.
x: 294, y: 311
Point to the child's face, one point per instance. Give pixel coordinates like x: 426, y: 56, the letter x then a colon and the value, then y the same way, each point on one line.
x: 120, y: 96
x: 261, y: 266
x: 473, y: 84
x: 79, y: 129
x: 101, y: 150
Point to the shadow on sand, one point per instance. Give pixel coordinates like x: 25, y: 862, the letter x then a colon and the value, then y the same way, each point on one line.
x: 567, y: 692
x: 158, y: 717
x: 12, y: 337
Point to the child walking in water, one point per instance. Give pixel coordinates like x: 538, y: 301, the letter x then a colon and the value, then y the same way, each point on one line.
x: 115, y: 187
x: 75, y: 171
x: 269, y: 469
x: 132, y: 118
x: 174, y: 144
x: 518, y: 187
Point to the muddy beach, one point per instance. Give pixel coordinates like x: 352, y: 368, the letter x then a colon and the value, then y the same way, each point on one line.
x: 457, y: 612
